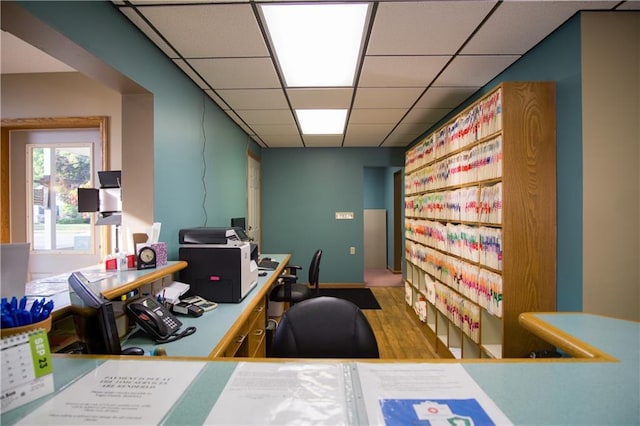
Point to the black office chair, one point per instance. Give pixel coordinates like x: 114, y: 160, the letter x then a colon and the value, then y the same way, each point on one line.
x: 324, y: 327
x: 289, y: 290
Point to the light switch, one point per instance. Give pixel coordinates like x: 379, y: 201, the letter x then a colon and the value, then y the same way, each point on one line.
x: 344, y: 215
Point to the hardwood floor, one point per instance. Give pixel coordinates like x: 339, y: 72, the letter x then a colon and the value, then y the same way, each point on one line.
x: 399, y: 333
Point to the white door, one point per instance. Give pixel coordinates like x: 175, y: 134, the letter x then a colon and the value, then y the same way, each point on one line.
x: 375, y: 239
x: 254, y: 188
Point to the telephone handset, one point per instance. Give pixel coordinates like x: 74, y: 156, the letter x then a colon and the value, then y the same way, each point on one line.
x: 154, y: 318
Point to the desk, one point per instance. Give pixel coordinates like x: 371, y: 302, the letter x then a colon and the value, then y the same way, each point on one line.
x: 221, y: 328
x: 218, y: 329
x: 566, y: 391
x: 112, y: 287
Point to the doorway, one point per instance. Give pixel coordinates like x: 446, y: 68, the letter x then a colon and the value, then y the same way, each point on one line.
x: 254, y: 200
x: 382, y: 217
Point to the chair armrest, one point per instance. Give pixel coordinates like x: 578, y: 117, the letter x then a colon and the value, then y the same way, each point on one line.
x: 293, y: 268
x: 288, y: 278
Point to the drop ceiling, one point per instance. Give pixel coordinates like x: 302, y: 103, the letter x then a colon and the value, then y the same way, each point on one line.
x: 420, y: 59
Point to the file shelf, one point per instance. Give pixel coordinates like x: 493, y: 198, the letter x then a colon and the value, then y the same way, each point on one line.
x: 480, y: 223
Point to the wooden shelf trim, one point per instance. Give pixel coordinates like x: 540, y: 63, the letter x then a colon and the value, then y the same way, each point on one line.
x: 566, y: 342
x: 151, y: 276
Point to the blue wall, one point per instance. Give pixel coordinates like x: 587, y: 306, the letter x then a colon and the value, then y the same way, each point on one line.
x: 303, y: 188
x: 557, y: 59
x: 183, y: 174
x: 374, y: 187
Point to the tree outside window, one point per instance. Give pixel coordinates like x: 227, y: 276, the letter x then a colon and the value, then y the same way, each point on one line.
x: 56, y: 174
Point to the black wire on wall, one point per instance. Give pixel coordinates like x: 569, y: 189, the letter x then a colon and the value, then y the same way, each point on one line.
x: 204, y: 161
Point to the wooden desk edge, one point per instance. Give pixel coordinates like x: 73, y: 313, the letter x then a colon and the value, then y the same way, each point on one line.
x: 233, y: 331
x: 566, y: 342
x: 151, y: 276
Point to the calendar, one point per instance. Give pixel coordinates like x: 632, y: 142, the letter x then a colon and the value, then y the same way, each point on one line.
x: 27, y: 370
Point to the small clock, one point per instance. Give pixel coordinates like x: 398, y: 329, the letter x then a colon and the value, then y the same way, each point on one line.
x: 146, y: 258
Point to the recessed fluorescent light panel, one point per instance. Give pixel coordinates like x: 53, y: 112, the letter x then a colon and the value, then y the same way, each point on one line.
x: 321, y: 121
x: 317, y: 45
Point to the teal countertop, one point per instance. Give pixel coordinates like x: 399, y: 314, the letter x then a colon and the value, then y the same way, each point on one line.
x: 565, y: 391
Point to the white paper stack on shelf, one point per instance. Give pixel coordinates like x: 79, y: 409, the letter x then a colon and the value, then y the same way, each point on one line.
x: 173, y: 291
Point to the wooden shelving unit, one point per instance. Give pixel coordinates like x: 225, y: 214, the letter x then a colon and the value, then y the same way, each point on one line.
x: 480, y: 223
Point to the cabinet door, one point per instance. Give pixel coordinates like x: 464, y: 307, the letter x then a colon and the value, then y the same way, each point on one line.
x: 257, y: 331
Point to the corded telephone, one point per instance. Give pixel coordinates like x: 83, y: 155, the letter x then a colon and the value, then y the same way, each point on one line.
x: 106, y: 339
x: 157, y: 320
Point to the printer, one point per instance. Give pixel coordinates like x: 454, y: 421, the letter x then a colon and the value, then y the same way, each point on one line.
x: 222, y: 263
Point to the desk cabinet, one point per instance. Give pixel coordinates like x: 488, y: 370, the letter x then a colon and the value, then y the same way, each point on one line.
x: 250, y: 341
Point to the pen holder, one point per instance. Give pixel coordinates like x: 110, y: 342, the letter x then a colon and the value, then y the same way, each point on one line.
x: 46, y: 324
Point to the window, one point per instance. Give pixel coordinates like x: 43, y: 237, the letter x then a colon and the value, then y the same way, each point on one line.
x: 54, y: 174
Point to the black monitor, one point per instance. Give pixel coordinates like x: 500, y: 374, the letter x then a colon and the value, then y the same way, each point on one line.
x: 239, y: 222
x: 88, y: 200
x: 110, y: 179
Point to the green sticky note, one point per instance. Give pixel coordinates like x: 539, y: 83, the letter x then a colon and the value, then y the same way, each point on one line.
x: 40, y: 353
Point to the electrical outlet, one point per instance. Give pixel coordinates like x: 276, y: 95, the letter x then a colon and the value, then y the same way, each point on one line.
x: 352, y: 250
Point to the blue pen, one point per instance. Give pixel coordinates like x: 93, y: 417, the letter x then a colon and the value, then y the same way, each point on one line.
x: 14, y: 315
x: 34, y: 308
x: 48, y: 307
x: 7, y: 321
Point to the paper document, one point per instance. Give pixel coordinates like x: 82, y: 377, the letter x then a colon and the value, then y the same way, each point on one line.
x: 119, y: 393
x: 281, y: 393
x: 440, y: 393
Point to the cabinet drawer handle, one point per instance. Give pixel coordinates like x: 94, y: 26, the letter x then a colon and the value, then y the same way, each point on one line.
x: 258, y: 332
x: 240, y: 338
x: 260, y: 309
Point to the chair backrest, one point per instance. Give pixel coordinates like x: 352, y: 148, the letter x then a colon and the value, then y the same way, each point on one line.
x: 324, y: 327
x: 314, y: 269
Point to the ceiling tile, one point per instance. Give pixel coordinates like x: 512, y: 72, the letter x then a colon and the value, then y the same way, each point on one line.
x: 373, y: 116
x: 218, y: 100
x: 403, y: 135
x: 282, y: 140
x: 237, y: 73
x: 267, y: 116
x: 149, y: 32
x: 240, y: 99
x: 402, y: 97
x: 366, y: 134
x: 209, y: 31
x: 248, y: 130
x: 526, y: 22
x: 411, y: 129
x: 320, y: 98
x: 322, y: 141
x: 629, y: 5
x: 192, y: 74
x: 276, y: 129
x: 445, y: 97
x: 484, y: 69
x: 397, y: 140
x: 400, y: 71
x: 425, y: 28
x: 425, y: 115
